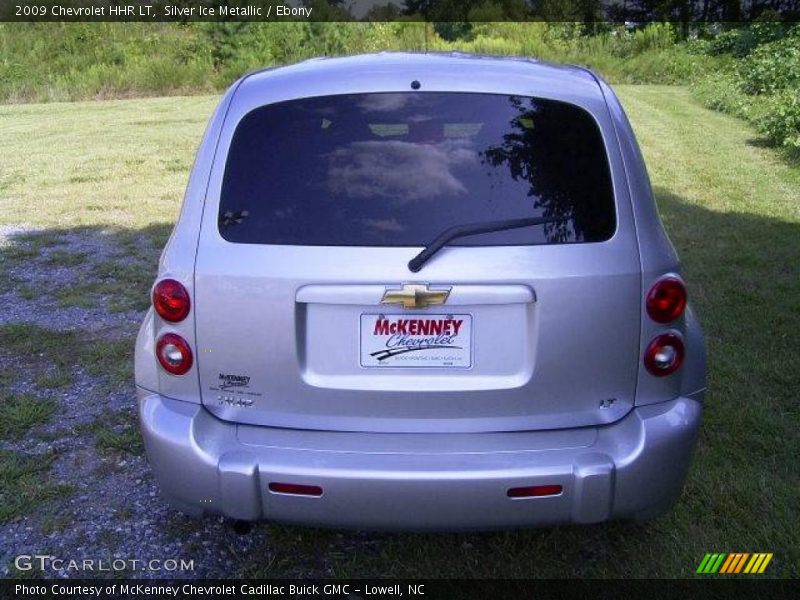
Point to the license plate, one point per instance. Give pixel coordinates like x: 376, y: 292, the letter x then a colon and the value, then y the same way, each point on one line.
x: 416, y: 341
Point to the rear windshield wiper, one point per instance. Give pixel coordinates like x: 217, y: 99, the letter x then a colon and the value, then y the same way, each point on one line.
x: 459, y: 231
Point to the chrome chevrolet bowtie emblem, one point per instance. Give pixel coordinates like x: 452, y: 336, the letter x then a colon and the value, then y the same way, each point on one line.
x: 415, y: 296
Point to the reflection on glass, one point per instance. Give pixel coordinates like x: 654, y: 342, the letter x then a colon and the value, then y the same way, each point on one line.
x: 397, y: 169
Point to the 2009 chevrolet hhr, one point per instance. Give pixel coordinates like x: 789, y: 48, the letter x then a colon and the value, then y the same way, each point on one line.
x: 420, y: 292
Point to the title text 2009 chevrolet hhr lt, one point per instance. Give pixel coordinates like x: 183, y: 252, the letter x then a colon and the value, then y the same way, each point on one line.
x: 420, y: 292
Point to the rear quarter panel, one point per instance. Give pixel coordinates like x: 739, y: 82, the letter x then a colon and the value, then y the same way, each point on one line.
x: 658, y: 257
x: 177, y: 262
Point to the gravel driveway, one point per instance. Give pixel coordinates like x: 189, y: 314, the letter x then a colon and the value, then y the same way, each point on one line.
x: 107, y: 506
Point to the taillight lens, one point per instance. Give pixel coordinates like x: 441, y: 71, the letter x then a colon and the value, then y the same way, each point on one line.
x: 664, y: 355
x: 171, y: 300
x: 174, y: 354
x: 666, y: 300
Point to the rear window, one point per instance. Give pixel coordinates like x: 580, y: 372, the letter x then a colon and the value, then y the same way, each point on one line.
x: 396, y: 169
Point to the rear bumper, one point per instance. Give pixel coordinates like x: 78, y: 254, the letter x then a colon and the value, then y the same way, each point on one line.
x: 632, y: 468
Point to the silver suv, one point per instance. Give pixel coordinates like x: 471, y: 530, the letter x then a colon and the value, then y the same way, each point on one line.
x: 420, y: 292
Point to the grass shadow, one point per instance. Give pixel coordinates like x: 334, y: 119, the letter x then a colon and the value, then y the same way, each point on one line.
x: 87, y: 267
x: 792, y: 158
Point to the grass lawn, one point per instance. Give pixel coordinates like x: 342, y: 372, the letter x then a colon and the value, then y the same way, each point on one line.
x: 732, y: 209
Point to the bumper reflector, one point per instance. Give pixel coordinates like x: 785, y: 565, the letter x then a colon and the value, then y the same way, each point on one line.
x: 534, y: 491
x: 295, y: 489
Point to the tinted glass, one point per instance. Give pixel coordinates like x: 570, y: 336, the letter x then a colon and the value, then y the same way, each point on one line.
x: 396, y: 169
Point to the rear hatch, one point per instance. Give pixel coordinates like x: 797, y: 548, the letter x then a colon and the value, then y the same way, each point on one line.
x: 308, y: 315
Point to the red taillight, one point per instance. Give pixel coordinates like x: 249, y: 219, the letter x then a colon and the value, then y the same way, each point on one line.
x: 664, y: 355
x: 295, y: 488
x: 171, y: 300
x: 174, y: 354
x: 666, y: 300
x: 534, y: 491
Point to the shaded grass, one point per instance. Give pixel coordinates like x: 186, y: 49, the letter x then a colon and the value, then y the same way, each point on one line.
x: 99, y: 353
x: 21, y: 412
x: 57, y: 378
x: 7, y: 377
x: 121, y: 282
x: 95, y: 267
x: 20, y: 253
x: 29, y: 340
x: 57, y: 523
x: 27, y: 292
x: 61, y: 258
x: 79, y: 296
x: 115, y: 285
x: 24, y: 483
x: 111, y: 358
x: 128, y: 439
x: 115, y: 432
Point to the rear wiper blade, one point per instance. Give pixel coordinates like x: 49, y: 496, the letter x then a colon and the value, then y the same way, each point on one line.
x: 459, y: 231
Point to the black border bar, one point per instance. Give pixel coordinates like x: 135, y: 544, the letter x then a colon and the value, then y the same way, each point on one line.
x: 361, y: 589
x: 454, y: 11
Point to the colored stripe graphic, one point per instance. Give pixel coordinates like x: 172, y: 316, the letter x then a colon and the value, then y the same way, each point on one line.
x: 711, y: 563
x: 703, y: 563
x: 764, y: 564
x: 718, y: 564
x: 758, y: 563
x: 741, y: 562
x: 751, y: 564
x: 734, y: 562
x: 728, y: 563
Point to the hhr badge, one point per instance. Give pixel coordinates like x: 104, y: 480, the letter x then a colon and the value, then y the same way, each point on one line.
x: 415, y: 296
